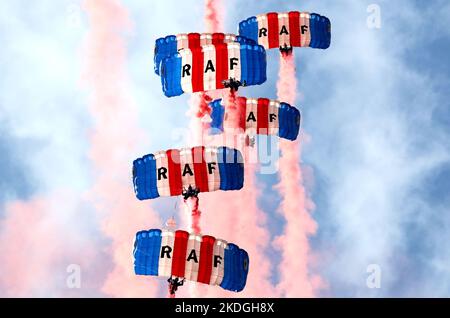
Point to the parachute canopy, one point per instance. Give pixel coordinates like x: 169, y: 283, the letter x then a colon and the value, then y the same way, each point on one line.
x: 258, y: 116
x: 169, y: 173
x: 202, y: 259
x: 287, y: 30
x: 207, y: 67
x: 171, y: 44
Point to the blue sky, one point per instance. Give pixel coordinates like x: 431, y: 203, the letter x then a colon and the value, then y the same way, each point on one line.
x: 375, y: 105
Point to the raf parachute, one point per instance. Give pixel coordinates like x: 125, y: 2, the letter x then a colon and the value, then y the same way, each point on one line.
x: 288, y: 30
x: 259, y: 116
x: 187, y: 172
x: 181, y: 256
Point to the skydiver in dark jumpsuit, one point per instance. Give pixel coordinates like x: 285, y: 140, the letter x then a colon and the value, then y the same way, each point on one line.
x: 174, y: 283
x: 286, y: 50
x: 233, y: 84
x: 190, y: 192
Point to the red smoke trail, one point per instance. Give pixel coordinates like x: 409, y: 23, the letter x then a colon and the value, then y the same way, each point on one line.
x: 113, y: 144
x: 232, y: 119
x: 199, y: 109
x: 296, y: 206
x: 199, y: 102
x: 169, y: 294
x: 192, y: 209
x: 213, y: 18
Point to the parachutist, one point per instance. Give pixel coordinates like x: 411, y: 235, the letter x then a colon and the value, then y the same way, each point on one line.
x: 233, y: 84
x: 190, y: 192
x: 286, y: 50
x: 174, y: 283
x: 195, y: 253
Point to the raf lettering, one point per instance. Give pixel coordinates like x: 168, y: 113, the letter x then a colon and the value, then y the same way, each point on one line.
x: 209, y: 67
x: 186, y: 170
x: 162, y: 173
x: 234, y: 61
x: 192, y: 255
x: 252, y: 117
x: 186, y: 70
x: 304, y: 29
x: 283, y: 30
